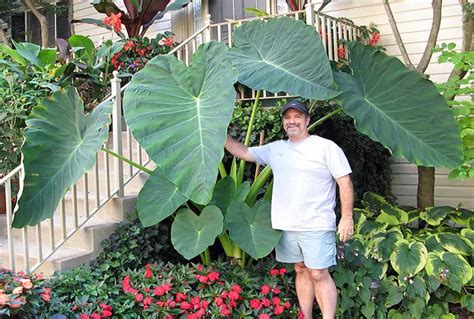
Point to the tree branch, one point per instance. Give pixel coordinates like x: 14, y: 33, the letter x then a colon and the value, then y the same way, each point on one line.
x: 42, y: 20
x: 396, y: 34
x: 425, y: 59
x: 467, y: 28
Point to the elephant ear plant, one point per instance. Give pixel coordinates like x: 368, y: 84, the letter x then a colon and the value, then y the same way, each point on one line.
x: 180, y: 114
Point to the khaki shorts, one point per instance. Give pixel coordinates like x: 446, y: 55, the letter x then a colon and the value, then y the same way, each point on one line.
x: 316, y: 249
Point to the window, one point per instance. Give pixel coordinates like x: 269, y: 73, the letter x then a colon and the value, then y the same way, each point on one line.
x: 25, y: 26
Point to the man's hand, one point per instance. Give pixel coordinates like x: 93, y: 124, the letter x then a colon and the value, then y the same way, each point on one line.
x: 345, y: 230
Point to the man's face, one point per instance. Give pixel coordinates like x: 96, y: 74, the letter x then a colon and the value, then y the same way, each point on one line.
x: 295, y: 123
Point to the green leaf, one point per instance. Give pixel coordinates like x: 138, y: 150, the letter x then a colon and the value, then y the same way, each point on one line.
x: 251, y: 228
x: 399, y: 108
x: 408, y: 258
x: 461, y: 216
x: 392, y: 215
x: 60, y: 146
x: 158, y: 199
x: 467, y: 301
x: 455, y: 244
x: 180, y: 114
x: 383, y: 243
x: 86, y: 45
x: 395, y: 296
x: 274, y: 55
x: 47, y: 57
x: 416, y: 307
x: 257, y: 12
x: 225, y: 192
x: 435, y: 215
x: 13, y: 54
x: 450, y: 269
x: 192, y: 234
x: 29, y: 51
x: 468, y: 234
x: 368, y: 310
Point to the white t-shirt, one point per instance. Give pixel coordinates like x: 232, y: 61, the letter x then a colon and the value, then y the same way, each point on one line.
x: 304, y: 185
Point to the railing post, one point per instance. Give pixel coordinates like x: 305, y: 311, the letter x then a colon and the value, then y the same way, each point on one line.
x: 309, y: 14
x: 117, y: 131
x: 207, y: 31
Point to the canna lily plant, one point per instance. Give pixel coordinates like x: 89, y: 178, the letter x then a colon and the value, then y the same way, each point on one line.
x: 180, y: 114
x: 138, y: 17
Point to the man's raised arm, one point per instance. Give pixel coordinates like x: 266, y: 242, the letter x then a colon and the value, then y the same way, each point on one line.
x: 238, y: 149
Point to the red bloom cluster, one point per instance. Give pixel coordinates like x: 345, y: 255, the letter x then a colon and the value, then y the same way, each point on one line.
x: 105, y: 311
x: 113, y: 20
x: 375, y: 38
x: 277, y: 272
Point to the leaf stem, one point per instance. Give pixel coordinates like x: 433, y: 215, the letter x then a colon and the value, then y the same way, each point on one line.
x: 324, y: 118
x: 136, y: 165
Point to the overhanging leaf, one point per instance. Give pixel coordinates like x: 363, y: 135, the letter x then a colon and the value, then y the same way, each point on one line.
x: 60, y: 146
x: 392, y: 215
x: 274, y: 55
x: 180, y: 116
x: 455, y: 244
x: 251, y: 228
x: 192, y: 234
x: 450, y: 269
x: 86, y: 46
x: 399, y: 108
x: 158, y: 199
x: 408, y: 258
x: 383, y: 243
x: 435, y: 215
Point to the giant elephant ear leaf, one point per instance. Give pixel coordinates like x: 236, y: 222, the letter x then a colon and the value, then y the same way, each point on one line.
x: 180, y: 115
x: 399, y: 108
x: 60, y: 146
x: 274, y: 55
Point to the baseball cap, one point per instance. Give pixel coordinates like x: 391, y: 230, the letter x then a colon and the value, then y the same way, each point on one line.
x: 295, y: 104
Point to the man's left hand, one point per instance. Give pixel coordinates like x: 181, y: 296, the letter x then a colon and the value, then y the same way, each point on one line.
x: 345, y: 230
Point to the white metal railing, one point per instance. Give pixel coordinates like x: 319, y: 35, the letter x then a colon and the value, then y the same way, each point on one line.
x: 89, y: 195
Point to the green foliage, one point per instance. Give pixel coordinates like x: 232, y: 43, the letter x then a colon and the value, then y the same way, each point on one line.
x: 458, y: 91
x: 133, y: 245
x: 386, y: 114
x: 428, y: 267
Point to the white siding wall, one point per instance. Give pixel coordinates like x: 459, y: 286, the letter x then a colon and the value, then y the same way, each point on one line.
x: 414, y: 20
x: 83, y: 9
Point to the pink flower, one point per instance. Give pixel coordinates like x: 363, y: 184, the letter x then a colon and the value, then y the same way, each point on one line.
x: 185, y: 306
x: 236, y: 288
x: 276, y: 291
x: 218, y: 301
x: 283, y: 271
x: 255, y: 304
x: 180, y: 297
x: 274, y: 272
x: 138, y: 297
x: 276, y: 301
x: 265, y: 289
x: 213, y: 276
x: 95, y: 315
x: 266, y: 302
x: 264, y: 316
x: 148, y: 272
x: 159, y: 291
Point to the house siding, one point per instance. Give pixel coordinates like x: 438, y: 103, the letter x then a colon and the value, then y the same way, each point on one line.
x: 414, y: 20
x: 83, y: 9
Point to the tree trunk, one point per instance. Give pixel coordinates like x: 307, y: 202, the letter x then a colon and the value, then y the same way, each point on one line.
x: 42, y: 21
x: 426, y: 183
x: 4, y: 38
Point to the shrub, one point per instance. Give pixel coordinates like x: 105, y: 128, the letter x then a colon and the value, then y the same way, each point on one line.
x: 133, y: 245
x: 22, y: 295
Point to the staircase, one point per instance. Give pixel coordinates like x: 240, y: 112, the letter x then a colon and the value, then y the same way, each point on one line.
x: 90, y: 210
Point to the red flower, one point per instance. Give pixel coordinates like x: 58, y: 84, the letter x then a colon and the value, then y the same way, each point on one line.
x: 224, y: 311
x: 278, y: 310
x: 283, y: 271
x: 236, y: 288
x: 276, y: 291
x: 300, y: 315
x: 185, y: 306
x: 195, y: 300
x: 276, y: 301
x: 218, y: 301
x: 266, y: 302
x: 138, y: 297
x: 170, y: 42
x: 169, y: 317
x: 106, y: 314
x: 213, y: 276
x: 202, y: 279
x: 95, y: 315
x: 105, y: 307
x: 180, y: 297
x: 255, y: 304
x: 264, y: 316
x: 233, y: 295
x: 376, y: 37
x: 274, y: 272
x: 287, y: 305
x: 113, y: 20
x: 167, y: 287
x: 265, y: 289
x: 341, y: 52
x: 159, y: 291
x: 129, y: 45
x: 148, y: 272
x: 84, y: 316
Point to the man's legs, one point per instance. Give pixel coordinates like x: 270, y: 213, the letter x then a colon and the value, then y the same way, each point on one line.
x: 311, y: 283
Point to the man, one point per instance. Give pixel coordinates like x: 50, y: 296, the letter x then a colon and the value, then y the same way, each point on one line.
x: 306, y: 169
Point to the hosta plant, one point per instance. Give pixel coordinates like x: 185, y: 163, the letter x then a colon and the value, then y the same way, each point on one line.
x: 429, y: 254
